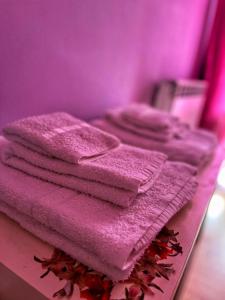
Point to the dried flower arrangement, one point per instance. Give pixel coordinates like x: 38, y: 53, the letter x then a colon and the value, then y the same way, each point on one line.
x: 96, y: 286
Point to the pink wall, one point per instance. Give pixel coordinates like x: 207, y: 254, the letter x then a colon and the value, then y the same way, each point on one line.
x: 85, y: 56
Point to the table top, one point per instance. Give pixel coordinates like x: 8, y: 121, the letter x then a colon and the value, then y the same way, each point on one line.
x: 17, y: 246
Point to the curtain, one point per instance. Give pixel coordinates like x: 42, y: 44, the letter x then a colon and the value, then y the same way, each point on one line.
x: 214, y: 113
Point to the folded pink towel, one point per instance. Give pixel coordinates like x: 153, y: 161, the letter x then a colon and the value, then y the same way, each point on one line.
x: 97, y: 233
x: 196, y: 147
x: 118, y: 176
x: 144, y: 116
x: 139, y: 119
x: 62, y: 136
x: 116, y: 117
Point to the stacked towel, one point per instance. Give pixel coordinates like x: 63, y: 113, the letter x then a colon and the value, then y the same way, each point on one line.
x: 56, y: 148
x: 98, y: 233
x: 53, y: 135
x: 141, y: 120
x: 137, y: 125
x: 142, y: 115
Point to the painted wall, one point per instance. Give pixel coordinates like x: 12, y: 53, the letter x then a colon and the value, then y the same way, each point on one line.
x: 85, y: 56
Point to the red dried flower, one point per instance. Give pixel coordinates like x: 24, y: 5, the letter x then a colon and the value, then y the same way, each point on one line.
x: 96, y: 286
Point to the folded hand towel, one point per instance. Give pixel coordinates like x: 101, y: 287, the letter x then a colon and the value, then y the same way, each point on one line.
x: 117, y: 176
x: 140, y: 123
x: 142, y: 115
x: 115, y: 118
x: 195, y: 147
x: 153, y: 120
x: 62, y: 136
x: 97, y: 233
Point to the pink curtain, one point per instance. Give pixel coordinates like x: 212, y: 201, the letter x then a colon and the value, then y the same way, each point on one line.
x: 214, y: 115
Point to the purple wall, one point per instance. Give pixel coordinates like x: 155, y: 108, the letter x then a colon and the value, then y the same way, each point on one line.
x: 85, y: 56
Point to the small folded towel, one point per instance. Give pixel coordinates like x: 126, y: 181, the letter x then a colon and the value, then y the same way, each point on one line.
x: 142, y: 115
x: 115, y: 117
x: 62, y: 136
x: 196, y: 149
x: 118, y: 176
x: 97, y: 233
x: 141, y: 124
x: 193, y: 146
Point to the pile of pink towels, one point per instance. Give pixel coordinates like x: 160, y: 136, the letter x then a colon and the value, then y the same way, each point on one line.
x: 80, y: 189
x: 143, y: 126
